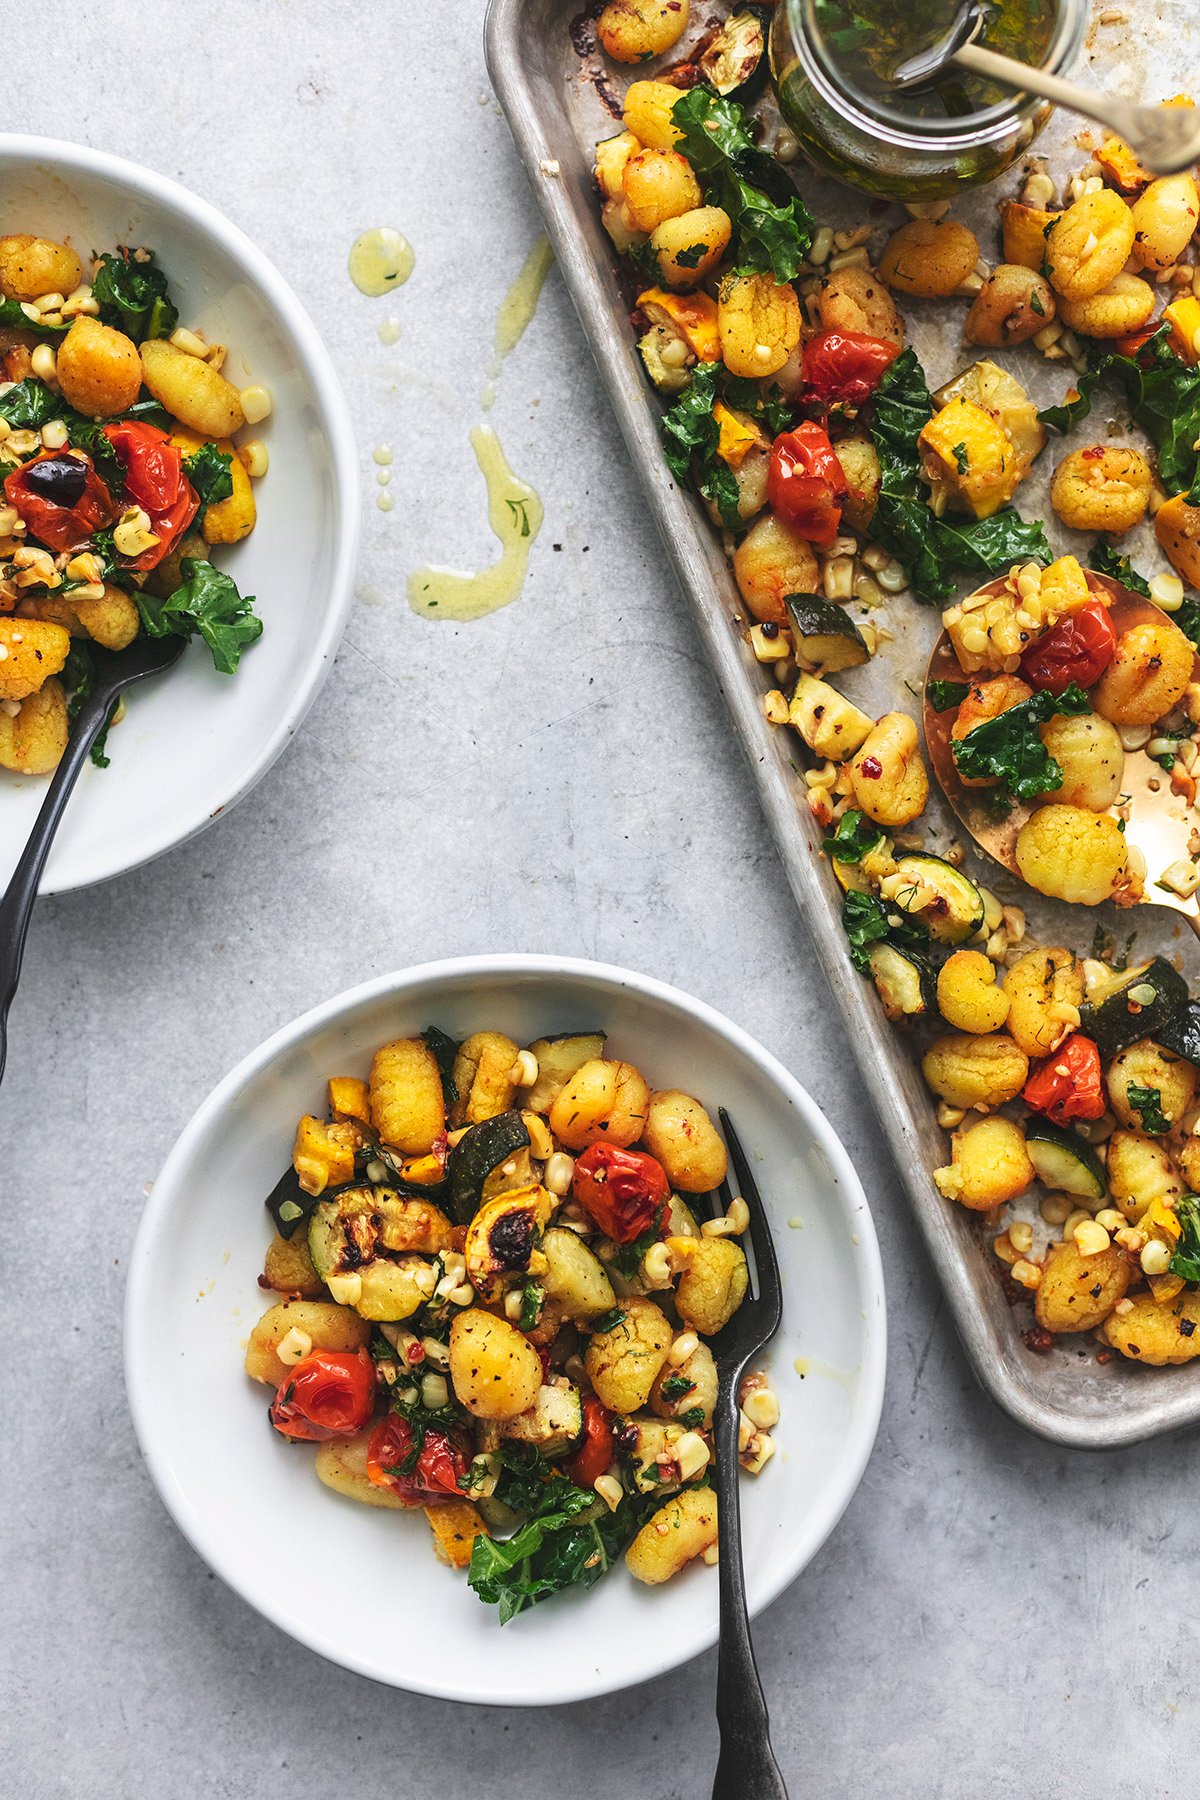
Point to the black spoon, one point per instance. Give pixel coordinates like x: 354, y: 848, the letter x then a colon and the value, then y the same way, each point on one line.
x: 117, y: 671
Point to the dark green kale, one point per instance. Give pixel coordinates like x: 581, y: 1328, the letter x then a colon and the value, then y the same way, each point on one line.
x: 14, y: 318
x: 854, y: 837
x: 207, y: 602
x: 571, y: 1541
x: 867, y: 920
x: 716, y: 138
x: 1008, y: 749
x: 210, y: 472
x: 944, y: 695
x: 1107, y: 561
x: 79, y: 679
x: 1147, y: 1103
x: 133, y: 295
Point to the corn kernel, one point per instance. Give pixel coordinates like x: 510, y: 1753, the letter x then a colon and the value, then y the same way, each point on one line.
x: 256, y: 404
x: 293, y: 1347
x: 610, y: 1491
x: 43, y: 362
x: 761, y: 1407
x: 692, y: 1454
x: 189, y: 342
x: 558, y: 1173
x: 345, y: 1289
x: 524, y: 1071
x: 684, y: 1346
x: 1091, y: 1239
x: 1155, y: 1258
x: 256, y: 458
x: 1020, y: 1236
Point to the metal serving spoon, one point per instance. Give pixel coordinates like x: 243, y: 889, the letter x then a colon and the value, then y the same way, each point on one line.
x: 115, y: 672
x: 1158, y: 821
x: 1165, y: 139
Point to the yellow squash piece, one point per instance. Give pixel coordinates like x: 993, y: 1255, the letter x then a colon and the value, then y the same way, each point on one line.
x: 738, y: 435
x: 1183, y: 316
x: 694, y: 316
x: 969, y: 453
x: 323, y: 1155
x: 349, y: 1098
x: 1119, y: 162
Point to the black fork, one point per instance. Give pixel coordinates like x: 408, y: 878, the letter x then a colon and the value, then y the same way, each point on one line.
x: 746, y: 1767
x: 116, y: 671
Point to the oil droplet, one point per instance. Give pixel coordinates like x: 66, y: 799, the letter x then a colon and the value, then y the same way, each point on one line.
x: 813, y: 1365
x: 515, y: 516
x: 383, y: 476
x: 380, y: 260
x: 384, y: 502
x: 383, y: 454
x: 520, y: 303
x: 388, y: 331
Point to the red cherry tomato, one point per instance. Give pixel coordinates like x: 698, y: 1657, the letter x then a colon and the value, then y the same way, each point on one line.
x: 60, y: 497
x: 434, y: 1477
x: 1068, y: 1084
x: 155, y: 481
x: 1133, y: 341
x: 329, y: 1394
x: 805, y: 482
x: 846, y: 365
x: 596, y: 1452
x: 621, y: 1191
x: 1079, y: 648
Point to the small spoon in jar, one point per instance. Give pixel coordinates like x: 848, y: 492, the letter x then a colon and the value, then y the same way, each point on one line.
x: 1158, y: 821
x: 1165, y: 139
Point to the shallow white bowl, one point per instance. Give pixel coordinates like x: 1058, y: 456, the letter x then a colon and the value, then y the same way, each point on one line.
x: 194, y: 742
x: 250, y: 1503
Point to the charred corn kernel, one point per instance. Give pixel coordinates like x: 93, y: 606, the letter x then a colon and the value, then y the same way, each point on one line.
x: 84, y: 567
x: 1111, y: 1219
x: 524, y: 1071
x: 190, y: 342
x: 949, y: 1116
x: 775, y: 707
x: 293, y: 1346
x: 692, y: 1454
x: 730, y: 1224
x: 737, y: 435
x: 34, y: 568
x: 256, y: 404
x: 1020, y: 1236
x: 463, y: 1295
x: 256, y: 458
x: 610, y: 1491
x: 80, y: 300
x: 54, y: 435
x: 656, y: 1267
x: 1091, y: 1239
x: 556, y: 1176
x: 759, y: 1453
x: 1078, y: 1216
x: 345, y: 1289
x: 43, y: 362
x: 1166, y: 591
x: 540, y: 1141
x: 436, y: 1352
x: 1155, y: 1258
x: 1026, y: 1274
x: 685, y: 1345
x: 1002, y: 1245
x: 711, y: 1556
x: 761, y: 1407
x: 435, y: 1392
x: 424, y: 1279
x: 693, y: 316
x: 132, y: 535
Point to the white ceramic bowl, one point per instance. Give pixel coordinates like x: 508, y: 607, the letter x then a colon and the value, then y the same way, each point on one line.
x: 194, y: 742
x: 250, y: 1503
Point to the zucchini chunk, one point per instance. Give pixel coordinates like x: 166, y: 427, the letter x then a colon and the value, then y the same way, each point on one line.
x: 1181, y: 1033
x: 552, y: 1424
x: 483, y: 1148
x: 1141, y: 1004
x: 903, y: 980
x: 558, y: 1058
x: 941, y: 896
x: 575, y: 1276
x: 289, y: 1204
x: 501, y: 1239
x: 358, y: 1224
x: 1063, y: 1161
x: 826, y: 637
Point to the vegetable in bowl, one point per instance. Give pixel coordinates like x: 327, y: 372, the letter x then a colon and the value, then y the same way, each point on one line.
x: 496, y: 1301
x: 120, y: 475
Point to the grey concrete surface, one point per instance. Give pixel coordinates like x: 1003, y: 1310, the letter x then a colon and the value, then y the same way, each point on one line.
x: 994, y: 1617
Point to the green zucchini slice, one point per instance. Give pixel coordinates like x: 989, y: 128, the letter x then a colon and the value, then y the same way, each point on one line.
x: 484, y: 1147
x: 941, y: 896
x: 1064, y: 1161
x: 289, y: 1204
x: 558, y: 1058
x: 355, y: 1225
x: 1141, y: 1004
x: 1181, y: 1033
x: 903, y: 980
x: 826, y: 637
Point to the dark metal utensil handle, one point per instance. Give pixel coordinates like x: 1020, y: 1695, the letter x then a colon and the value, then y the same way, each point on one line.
x: 17, y: 904
x: 746, y: 1767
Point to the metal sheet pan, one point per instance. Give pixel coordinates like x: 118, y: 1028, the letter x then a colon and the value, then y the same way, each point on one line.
x: 556, y: 114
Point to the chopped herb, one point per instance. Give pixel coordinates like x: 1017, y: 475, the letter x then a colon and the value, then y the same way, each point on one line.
x: 866, y: 920
x: 1035, y: 304
x: 532, y: 1298
x: 1147, y: 1103
x: 207, y: 602
x: 520, y: 512
x: 962, y: 459
x: 692, y: 1418
x: 943, y: 695
x: 1186, y: 1260
x: 676, y: 1386
x: 1009, y: 750
x: 572, y: 1540
x: 856, y: 836
x: 609, y: 1321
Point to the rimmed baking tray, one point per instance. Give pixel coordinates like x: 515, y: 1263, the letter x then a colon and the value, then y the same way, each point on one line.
x: 556, y: 110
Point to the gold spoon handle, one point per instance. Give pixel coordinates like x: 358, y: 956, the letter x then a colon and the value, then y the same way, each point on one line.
x: 1165, y: 139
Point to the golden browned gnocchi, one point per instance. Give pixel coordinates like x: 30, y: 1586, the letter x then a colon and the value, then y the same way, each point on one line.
x: 1013, y: 305
x: 1045, y: 991
x: 889, y: 776
x: 1154, y: 1333
x: 679, y: 1531
x: 713, y: 1284
x: 632, y: 31
x: 771, y: 562
x: 759, y: 322
x: 1165, y: 216
x: 929, y: 258
x: 1078, y: 1291
x: 485, y: 1072
x: 1150, y: 1089
x: 495, y: 1369
x: 1103, y: 487
x: 1148, y: 675
x: 1087, y: 246
x: 316, y: 1325
x: 1091, y: 757
x: 989, y: 1165
x: 98, y: 369
x: 32, y: 266
x: 34, y: 736
x: 688, y: 247
x: 1071, y: 854
x: 680, y: 1134
x: 31, y: 650
x: 1139, y: 1169
x: 191, y: 390
x: 408, y: 1107
x: 601, y: 1100
x: 1123, y: 306
x: 966, y: 1071
x: 968, y: 995
x: 658, y: 185
x: 858, y: 300
x: 648, y: 109
x: 624, y: 1356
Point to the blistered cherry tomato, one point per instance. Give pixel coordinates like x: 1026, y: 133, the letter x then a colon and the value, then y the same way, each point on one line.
x: 329, y: 1394
x: 155, y: 481
x: 433, y: 1478
x: 61, y: 498
x: 845, y: 366
x: 805, y: 482
x: 621, y: 1191
x: 596, y: 1452
x: 1068, y: 1084
x: 1079, y: 648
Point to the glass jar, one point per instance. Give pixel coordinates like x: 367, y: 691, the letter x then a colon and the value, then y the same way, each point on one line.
x: 866, y: 139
